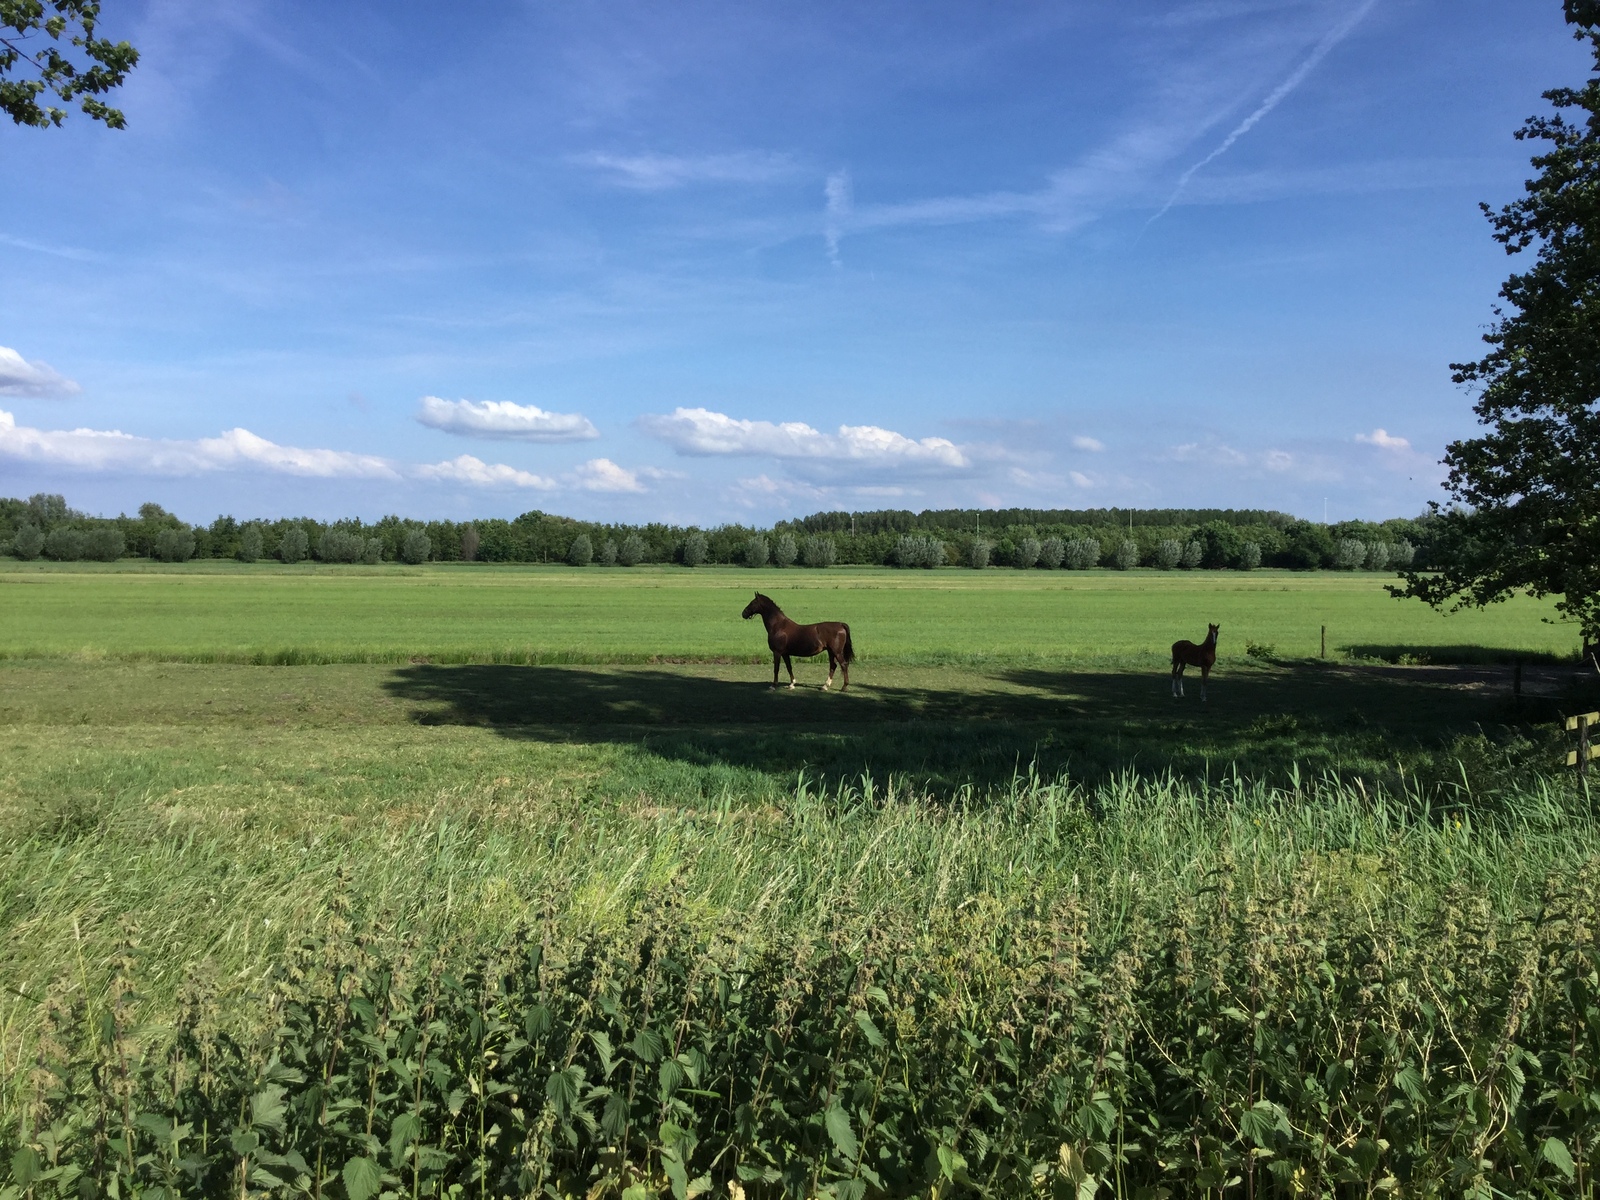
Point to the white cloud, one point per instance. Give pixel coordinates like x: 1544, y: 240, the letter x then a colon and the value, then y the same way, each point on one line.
x: 113, y: 450
x: 1083, y: 442
x: 19, y: 377
x: 603, y: 475
x: 659, y: 172
x: 502, y: 420
x: 1384, y: 440
x: 477, y: 473
x: 1079, y: 478
x: 699, y: 431
x: 239, y: 449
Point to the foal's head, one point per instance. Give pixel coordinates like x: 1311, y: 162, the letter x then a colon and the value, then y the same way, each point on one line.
x: 1212, y: 631
x: 761, y: 604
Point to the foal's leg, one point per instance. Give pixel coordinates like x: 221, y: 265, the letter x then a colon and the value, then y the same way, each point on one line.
x: 1205, y: 673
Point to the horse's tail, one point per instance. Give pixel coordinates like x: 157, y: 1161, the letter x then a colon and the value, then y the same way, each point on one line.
x: 849, y: 654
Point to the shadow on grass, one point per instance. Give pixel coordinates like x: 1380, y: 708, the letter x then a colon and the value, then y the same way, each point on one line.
x: 981, y: 728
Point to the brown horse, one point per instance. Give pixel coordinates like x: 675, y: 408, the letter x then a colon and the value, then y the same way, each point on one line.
x: 1187, y: 654
x: 787, y: 639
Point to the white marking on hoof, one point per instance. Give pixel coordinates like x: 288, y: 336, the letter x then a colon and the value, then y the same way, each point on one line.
x: 791, y: 685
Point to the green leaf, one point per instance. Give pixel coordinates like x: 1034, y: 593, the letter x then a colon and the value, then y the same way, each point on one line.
x: 1556, y: 1154
x: 402, y: 1133
x: 25, y: 1166
x: 267, y: 1107
x: 361, y: 1179
x: 844, y: 1138
x: 648, y: 1045
x: 637, y: 1191
x: 950, y: 1162
x: 677, y: 1175
x: 562, y: 1089
x: 868, y: 1029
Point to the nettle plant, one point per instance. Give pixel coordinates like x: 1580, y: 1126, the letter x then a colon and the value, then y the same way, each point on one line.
x: 1316, y: 1034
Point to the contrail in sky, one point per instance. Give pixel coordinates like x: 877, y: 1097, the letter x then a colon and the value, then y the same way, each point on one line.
x: 1329, y: 40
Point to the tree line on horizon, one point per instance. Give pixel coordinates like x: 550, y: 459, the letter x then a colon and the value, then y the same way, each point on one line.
x: 45, y: 526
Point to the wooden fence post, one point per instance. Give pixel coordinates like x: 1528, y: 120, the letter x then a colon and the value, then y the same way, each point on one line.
x: 1580, y: 758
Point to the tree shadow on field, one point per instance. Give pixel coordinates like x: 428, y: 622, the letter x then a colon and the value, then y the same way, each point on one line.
x: 952, y: 728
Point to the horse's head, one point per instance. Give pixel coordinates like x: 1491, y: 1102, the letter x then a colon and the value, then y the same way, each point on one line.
x: 1211, y: 632
x: 759, y: 605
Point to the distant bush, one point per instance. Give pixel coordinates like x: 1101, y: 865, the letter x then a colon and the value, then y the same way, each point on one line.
x: 469, y: 544
x: 1081, y: 554
x: 1169, y: 553
x: 373, y: 552
x: 294, y: 546
x: 1126, y: 556
x: 416, y: 547
x: 1402, y: 554
x: 978, y: 555
x: 608, y: 553
x: 755, y: 552
x: 175, y: 545
x: 340, y: 545
x: 632, y: 551
x: 1349, y: 554
x: 819, y: 552
x: 1249, y: 556
x: 581, y: 552
x: 694, y: 549
x: 250, y: 543
x: 64, y: 544
x: 784, y: 551
x: 1193, y: 553
x: 105, y: 544
x: 1051, y: 551
x: 27, y: 543
x: 1378, y: 555
x: 918, y: 550
x: 1026, y: 554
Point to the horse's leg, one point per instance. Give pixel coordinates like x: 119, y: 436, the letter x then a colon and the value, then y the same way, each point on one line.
x: 1205, y: 673
x: 775, y: 658
x: 790, y: 667
x: 832, y: 662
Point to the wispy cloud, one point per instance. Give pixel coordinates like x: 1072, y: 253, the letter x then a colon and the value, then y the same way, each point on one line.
x: 1296, y: 77
x: 1084, y: 442
x: 840, y: 201
x: 19, y: 377
x: 501, y: 420
x: 662, y: 172
x: 474, y: 472
x: 1384, y: 440
x: 699, y: 431
x: 603, y: 475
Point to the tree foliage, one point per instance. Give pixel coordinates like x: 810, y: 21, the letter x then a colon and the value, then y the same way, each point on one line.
x: 1525, y: 512
x: 53, y: 45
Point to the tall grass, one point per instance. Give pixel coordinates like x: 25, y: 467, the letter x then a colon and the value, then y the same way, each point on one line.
x: 1145, y: 984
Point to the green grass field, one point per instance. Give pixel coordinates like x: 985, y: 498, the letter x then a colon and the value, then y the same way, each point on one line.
x: 228, y: 612
x: 1008, y: 745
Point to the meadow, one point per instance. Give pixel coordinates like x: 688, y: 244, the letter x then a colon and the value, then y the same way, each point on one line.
x: 403, y: 913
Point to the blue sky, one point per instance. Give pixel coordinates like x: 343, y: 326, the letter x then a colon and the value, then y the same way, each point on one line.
x: 711, y: 262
